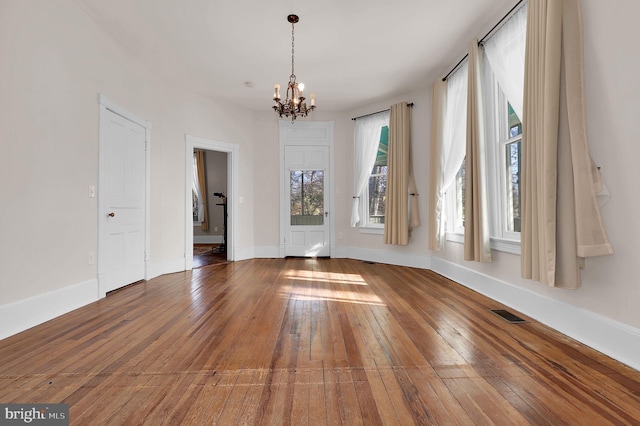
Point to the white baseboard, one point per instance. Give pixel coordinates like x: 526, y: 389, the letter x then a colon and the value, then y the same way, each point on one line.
x: 266, y: 252
x: 412, y: 260
x: 615, y: 339
x: 24, y: 314
x: 340, y: 252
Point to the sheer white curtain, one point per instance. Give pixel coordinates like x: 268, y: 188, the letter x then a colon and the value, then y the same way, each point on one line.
x: 455, y: 129
x: 505, y: 52
x: 367, y: 138
x: 448, y: 145
x: 196, y: 188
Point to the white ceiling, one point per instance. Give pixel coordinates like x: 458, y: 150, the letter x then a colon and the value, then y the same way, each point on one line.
x: 351, y: 52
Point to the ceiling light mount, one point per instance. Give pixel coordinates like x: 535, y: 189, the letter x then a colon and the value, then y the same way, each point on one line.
x: 293, y: 105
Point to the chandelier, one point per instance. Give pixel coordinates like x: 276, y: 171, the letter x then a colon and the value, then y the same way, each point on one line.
x: 294, y: 104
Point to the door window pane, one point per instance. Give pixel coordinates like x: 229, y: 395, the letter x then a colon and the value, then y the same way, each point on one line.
x: 307, y: 197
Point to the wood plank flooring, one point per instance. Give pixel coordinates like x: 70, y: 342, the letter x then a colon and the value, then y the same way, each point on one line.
x: 310, y: 341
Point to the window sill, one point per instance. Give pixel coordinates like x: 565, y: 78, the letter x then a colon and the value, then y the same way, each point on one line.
x: 372, y: 230
x: 498, y: 244
x: 505, y: 245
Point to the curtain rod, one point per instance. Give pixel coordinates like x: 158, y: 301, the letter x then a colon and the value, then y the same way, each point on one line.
x: 484, y: 38
x: 410, y: 105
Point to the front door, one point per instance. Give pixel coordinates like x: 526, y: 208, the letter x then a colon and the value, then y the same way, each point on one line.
x: 121, y: 256
x: 307, y: 182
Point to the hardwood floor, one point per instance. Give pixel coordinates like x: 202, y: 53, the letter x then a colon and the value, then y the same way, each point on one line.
x: 208, y: 254
x: 310, y: 341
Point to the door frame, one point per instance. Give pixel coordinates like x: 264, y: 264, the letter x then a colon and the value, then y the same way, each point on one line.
x: 232, y: 151
x: 306, y: 133
x: 105, y: 105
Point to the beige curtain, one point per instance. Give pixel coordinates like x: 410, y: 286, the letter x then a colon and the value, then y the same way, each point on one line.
x: 477, y: 245
x: 202, y: 180
x: 436, y: 175
x: 396, y: 222
x: 414, y: 209
x: 560, y: 215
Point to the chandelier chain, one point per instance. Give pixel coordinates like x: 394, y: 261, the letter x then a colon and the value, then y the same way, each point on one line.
x: 293, y: 74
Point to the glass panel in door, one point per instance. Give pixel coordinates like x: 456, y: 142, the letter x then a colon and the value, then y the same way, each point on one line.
x: 307, y: 197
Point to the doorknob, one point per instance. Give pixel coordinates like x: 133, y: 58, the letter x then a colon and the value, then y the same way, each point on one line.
x: 112, y: 214
x: 326, y: 214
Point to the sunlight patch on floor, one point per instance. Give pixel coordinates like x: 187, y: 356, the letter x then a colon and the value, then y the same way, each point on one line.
x: 306, y: 293
x: 329, y: 277
x: 330, y: 295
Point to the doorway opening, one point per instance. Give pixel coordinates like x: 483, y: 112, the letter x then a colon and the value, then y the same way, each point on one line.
x: 210, y: 207
x: 210, y: 210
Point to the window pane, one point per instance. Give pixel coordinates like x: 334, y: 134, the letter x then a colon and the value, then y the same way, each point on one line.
x: 513, y: 156
x: 515, y: 125
x: 307, y: 197
x: 383, y: 148
x: 379, y: 170
x: 378, y: 181
x: 377, y: 192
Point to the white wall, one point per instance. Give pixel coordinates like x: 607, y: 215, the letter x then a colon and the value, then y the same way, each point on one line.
x: 266, y: 176
x: 55, y: 61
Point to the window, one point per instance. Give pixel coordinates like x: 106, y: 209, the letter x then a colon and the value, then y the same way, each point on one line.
x: 455, y: 203
x: 504, y: 186
x: 504, y: 88
x: 504, y: 154
x: 503, y: 83
x: 371, y: 141
x: 512, y: 148
x: 377, y: 186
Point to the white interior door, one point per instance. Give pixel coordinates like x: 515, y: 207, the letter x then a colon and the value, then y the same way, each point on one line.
x: 121, y: 255
x: 307, y: 215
